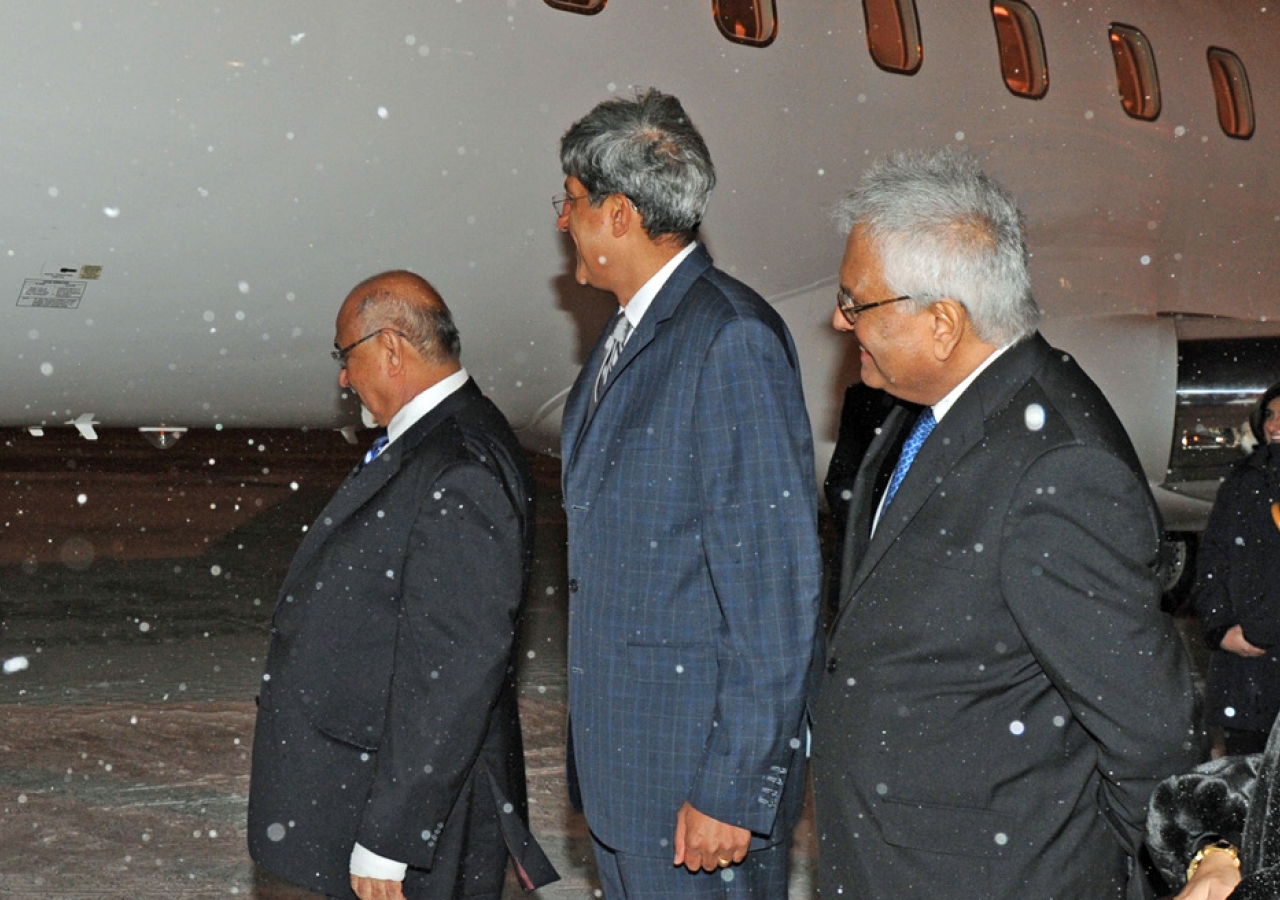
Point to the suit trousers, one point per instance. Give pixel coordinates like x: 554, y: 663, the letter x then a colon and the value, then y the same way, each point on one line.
x: 626, y: 876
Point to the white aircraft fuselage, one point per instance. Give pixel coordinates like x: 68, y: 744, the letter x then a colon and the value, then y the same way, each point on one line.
x: 190, y: 190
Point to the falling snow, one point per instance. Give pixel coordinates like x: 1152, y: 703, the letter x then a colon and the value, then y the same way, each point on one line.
x: 1034, y: 416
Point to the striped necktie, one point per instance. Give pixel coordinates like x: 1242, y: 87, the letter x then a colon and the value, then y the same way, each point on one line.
x: 925, y: 423
x: 612, y: 350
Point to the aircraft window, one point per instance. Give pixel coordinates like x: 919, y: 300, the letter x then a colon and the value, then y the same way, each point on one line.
x: 1231, y: 88
x: 1022, y: 59
x: 753, y: 22
x: 893, y: 34
x: 585, y: 7
x: 1135, y: 72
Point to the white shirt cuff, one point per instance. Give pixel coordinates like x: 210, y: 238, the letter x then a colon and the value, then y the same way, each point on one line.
x: 367, y: 864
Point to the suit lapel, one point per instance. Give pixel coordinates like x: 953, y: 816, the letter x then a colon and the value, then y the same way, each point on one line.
x: 662, y: 308
x: 365, y: 482
x: 577, y: 421
x: 862, y: 504
x: 362, y: 484
x: 578, y: 401
x: 960, y: 431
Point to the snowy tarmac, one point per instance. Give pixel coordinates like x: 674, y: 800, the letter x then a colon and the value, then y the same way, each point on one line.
x: 135, y: 590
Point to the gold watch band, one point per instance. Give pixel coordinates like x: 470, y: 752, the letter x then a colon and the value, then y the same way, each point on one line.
x: 1216, y: 847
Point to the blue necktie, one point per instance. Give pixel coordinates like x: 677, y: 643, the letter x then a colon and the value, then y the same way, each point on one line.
x: 923, y: 428
x: 378, y: 446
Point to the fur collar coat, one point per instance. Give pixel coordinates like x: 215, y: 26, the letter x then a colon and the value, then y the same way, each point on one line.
x: 1237, y: 799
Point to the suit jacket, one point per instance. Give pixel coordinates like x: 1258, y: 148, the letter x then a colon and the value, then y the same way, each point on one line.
x: 1001, y: 690
x: 388, y: 708
x: 694, y: 568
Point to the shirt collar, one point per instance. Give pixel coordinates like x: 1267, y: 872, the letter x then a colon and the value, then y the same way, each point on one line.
x: 943, y: 406
x: 422, y: 404
x: 639, y: 304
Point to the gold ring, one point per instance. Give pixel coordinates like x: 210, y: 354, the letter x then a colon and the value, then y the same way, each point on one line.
x: 724, y: 862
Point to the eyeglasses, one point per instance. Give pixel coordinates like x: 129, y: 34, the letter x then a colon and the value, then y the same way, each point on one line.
x: 849, y: 308
x: 340, y: 354
x: 561, y: 202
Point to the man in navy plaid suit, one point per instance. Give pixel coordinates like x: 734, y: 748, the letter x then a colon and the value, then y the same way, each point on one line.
x: 694, y: 566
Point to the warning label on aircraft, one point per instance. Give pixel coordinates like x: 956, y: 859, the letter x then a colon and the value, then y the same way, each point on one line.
x: 54, y: 293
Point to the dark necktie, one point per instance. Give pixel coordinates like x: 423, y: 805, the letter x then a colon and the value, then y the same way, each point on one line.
x: 925, y: 423
x: 378, y: 446
x: 612, y: 350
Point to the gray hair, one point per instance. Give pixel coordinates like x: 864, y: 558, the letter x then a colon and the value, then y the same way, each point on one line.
x: 647, y: 150
x: 945, y: 229
x: 405, y: 302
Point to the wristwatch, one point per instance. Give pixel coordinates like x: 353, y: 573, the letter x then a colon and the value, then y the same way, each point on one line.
x: 1216, y: 847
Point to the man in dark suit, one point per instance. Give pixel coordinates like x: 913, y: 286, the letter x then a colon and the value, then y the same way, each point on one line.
x: 1001, y: 692
x: 693, y: 557
x: 387, y: 760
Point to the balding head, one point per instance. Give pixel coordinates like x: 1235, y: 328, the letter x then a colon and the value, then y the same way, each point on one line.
x: 406, y: 302
x: 397, y: 338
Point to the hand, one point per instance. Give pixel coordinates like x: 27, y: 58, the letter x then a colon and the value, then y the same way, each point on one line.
x: 1216, y: 877
x: 703, y: 842
x: 377, y: 889
x: 1233, y: 641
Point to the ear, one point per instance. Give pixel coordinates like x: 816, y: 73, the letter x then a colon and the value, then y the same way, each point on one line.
x: 950, y: 326
x: 622, y: 215
x: 392, y: 347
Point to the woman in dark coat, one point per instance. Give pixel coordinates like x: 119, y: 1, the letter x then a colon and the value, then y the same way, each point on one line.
x: 1237, y: 595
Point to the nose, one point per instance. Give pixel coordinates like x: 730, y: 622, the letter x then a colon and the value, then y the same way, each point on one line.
x: 839, y: 322
x: 342, y: 378
x: 562, y: 220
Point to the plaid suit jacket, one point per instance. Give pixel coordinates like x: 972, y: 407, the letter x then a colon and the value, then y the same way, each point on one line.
x: 694, y: 568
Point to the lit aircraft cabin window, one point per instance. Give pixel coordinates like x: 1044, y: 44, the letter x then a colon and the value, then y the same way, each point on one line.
x: 1135, y: 72
x: 893, y: 35
x: 753, y: 22
x: 1231, y: 89
x: 1022, y: 59
x: 585, y: 7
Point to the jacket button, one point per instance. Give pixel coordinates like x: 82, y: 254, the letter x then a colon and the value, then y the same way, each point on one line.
x: 832, y: 664
x: 573, y: 585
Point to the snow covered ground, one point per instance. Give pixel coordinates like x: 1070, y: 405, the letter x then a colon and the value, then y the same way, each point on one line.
x: 135, y: 590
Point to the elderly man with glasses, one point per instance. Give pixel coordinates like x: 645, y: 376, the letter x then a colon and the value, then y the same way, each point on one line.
x: 1001, y: 691
x: 388, y: 760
